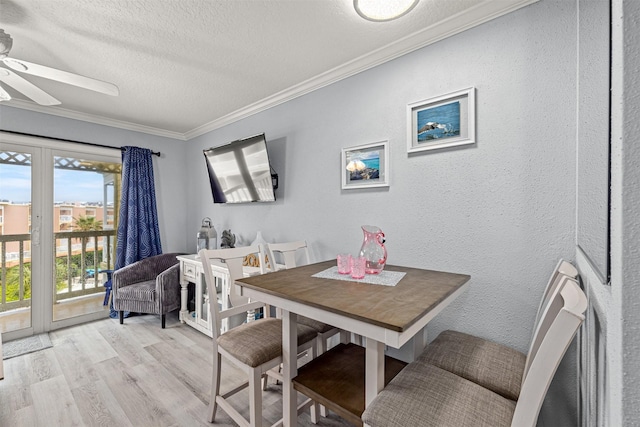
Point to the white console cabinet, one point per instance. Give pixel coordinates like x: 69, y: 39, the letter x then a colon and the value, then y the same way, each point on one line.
x: 191, y: 272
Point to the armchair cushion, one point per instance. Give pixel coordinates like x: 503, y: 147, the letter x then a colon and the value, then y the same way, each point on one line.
x: 489, y: 364
x: 142, y: 291
x: 427, y: 396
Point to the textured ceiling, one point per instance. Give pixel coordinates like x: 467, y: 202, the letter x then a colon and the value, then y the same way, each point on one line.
x: 184, y: 67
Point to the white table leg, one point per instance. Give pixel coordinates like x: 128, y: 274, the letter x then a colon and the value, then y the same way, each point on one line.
x: 184, y: 296
x: 374, y: 370
x: 290, y: 367
x: 418, y: 344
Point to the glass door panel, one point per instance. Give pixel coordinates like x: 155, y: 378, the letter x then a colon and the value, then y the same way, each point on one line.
x: 84, y: 231
x: 16, y: 183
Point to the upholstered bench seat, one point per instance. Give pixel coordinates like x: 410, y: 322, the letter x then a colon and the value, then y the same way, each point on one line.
x: 486, y: 363
x: 427, y: 396
x: 258, y: 342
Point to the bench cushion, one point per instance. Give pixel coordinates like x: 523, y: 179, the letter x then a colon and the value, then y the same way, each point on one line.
x: 489, y: 364
x: 427, y: 396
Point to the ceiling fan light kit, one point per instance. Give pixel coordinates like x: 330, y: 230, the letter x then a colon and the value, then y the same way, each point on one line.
x: 31, y: 91
x: 383, y: 10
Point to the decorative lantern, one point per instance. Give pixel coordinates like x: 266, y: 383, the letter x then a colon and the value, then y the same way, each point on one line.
x: 207, y: 236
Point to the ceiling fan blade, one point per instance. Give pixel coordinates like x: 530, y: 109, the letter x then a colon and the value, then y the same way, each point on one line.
x: 25, y: 87
x: 4, y: 96
x: 62, y: 76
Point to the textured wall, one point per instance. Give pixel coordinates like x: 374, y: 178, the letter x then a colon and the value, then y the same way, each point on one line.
x: 618, y: 306
x: 593, y: 132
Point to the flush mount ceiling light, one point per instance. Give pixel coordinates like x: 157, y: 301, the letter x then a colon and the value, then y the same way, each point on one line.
x: 383, y: 10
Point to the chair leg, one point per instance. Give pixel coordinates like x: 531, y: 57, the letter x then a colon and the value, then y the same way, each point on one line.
x: 164, y: 318
x: 121, y: 317
x: 315, y: 410
x: 255, y: 399
x: 215, y: 385
x: 322, y: 348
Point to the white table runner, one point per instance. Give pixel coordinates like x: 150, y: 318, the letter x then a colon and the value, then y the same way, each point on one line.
x: 385, y: 278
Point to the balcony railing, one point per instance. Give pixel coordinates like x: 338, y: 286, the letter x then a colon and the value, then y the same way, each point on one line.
x: 9, y: 298
x: 80, y: 259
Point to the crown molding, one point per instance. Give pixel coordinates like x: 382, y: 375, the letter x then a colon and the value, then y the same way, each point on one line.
x: 455, y: 24
x: 479, y: 14
x: 92, y: 118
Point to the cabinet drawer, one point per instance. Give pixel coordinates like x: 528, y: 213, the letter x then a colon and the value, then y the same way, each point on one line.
x: 189, y: 271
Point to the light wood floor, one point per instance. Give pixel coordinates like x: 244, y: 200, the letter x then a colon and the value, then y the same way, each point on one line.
x: 136, y: 374
x: 13, y: 320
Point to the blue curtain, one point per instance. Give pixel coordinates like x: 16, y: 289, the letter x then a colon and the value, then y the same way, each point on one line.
x: 138, y: 233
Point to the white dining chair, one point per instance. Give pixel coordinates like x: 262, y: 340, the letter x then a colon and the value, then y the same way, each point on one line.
x: 290, y: 252
x: 489, y: 364
x: 562, y: 268
x: 254, y: 347
x: 425, y: 394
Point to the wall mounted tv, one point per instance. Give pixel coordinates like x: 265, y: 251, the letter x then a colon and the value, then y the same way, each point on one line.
x: 240, y: 172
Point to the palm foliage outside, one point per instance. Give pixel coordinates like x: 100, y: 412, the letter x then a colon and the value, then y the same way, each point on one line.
x: 86, y: 223
x: 62, y: 275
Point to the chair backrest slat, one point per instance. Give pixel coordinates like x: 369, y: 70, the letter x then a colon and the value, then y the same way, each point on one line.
x: 559, y: 323
x: 233, y: 258
x: 289, y: 252
x: 563, y: 268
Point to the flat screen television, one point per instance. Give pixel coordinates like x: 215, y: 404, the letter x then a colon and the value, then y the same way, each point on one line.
x: 240, y: 172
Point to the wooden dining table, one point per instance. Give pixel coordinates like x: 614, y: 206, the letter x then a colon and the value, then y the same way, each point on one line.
x: 385, y: 315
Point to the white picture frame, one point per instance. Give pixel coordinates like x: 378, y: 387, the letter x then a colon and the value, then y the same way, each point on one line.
x: 444, y: 121
x: 365, y: 166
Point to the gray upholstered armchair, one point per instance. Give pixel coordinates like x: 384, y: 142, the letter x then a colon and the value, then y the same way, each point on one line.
x: 151, y: 285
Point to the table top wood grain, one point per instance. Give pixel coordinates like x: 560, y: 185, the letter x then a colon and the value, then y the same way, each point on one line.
x: 392, y: 307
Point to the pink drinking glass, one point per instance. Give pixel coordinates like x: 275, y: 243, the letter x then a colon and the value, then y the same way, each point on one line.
x: 344, y: 263
x: 357, y: 267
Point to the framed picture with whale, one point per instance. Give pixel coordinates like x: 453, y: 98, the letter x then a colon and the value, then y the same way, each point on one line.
x: 365, y: 166
x: 441, y: 122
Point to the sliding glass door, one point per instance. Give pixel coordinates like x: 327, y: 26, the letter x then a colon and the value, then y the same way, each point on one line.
x: 19, y: 236
x: 84, y: 220
x: 58, y: 204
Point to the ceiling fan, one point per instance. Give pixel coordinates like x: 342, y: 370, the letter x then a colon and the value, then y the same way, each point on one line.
x: 33, y: 92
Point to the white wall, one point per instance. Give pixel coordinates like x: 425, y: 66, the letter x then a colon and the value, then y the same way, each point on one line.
x: 168, y: 168
x: 615, y: 402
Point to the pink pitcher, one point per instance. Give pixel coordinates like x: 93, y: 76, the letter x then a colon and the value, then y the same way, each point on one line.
x: 373, y: 249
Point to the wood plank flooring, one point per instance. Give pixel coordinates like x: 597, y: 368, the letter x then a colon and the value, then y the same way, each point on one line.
x: 137, y: 374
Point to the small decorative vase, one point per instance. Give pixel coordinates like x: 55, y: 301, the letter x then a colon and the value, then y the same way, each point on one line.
x: 373, y: 249
x: 259, y: 240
